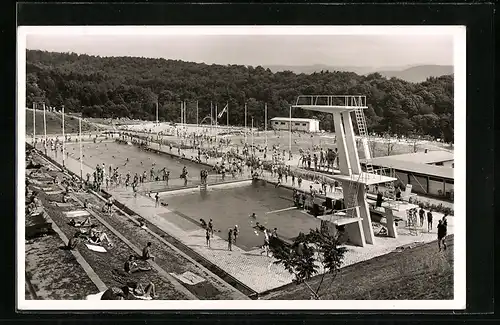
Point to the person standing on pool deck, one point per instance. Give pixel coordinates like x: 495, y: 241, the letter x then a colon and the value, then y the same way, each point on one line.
x: 211, y: 227
x: 441, y: 232
x: 421, y: 213
x: 157, y: 202
x: 230, y: 240
x: 429, y: 220
x: 266, y: 243
x: 152, y: 174
x: 235, y: 232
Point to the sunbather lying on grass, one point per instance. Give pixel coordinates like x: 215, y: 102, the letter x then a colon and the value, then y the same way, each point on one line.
x: 79, y: 223
x: 94, y: 236
x: 130, y: 291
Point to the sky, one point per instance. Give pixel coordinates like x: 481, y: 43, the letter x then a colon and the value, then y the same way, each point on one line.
x: 293, y: 50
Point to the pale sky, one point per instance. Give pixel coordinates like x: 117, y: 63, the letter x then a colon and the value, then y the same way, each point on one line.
x: 332, y: 50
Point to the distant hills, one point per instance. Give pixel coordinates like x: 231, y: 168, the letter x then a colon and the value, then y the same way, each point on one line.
x: 417, y: 73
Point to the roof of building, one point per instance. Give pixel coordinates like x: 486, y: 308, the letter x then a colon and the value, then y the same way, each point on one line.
x: 414, y: 167
x: 423, y: 158
x: 294, y: 119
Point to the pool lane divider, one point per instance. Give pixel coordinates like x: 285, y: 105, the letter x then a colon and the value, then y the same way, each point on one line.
x: 195, y: 189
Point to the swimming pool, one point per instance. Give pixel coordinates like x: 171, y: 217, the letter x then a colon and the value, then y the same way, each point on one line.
x: 115, y: 154
x: 234, y: 205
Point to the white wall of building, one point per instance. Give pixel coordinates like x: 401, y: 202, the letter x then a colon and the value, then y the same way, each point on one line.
x: 305, y: 126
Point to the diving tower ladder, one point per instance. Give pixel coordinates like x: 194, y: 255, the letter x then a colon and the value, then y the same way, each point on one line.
x: 363, y: 133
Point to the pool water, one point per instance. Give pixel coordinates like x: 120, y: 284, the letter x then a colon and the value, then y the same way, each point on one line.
x: 233, y: 206
x: 139, y: 161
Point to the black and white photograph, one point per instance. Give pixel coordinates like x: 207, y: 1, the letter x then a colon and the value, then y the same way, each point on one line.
x: 241, y: 167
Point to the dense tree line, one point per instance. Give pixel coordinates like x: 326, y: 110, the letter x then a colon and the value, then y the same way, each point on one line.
x: 131, y: 86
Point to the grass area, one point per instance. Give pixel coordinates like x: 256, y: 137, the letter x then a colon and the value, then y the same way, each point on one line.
x: 104, y: 263
x: 54, y: 272
x: 54, y: 123
x: 413, y: 274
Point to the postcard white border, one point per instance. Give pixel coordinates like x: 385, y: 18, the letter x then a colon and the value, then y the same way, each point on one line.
x: 459, y: 301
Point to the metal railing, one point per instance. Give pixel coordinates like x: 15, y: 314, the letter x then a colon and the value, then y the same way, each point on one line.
x: 331, y: 100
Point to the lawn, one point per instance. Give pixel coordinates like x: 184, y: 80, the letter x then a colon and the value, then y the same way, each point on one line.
x: 413, y: 274
x: 54, y: 123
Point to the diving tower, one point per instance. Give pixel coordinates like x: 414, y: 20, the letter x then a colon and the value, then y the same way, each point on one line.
x: 356, y: 216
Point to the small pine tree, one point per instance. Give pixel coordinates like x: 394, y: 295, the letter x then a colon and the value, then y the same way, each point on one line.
x: 307, y: 255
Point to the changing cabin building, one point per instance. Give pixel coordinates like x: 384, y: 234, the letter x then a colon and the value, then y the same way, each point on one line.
x: 298, y: 124
x: 429, y: 173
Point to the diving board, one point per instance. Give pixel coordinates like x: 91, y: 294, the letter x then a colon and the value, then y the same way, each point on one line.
x: 339, y: 218
x: 282, y: 210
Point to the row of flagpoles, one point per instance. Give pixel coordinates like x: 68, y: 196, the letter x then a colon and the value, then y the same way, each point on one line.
x: 63, y: 135
x: 183, y: 121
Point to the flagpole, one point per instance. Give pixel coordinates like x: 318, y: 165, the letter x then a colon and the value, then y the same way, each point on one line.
x: 227, y: 115
x: 44, y: 129
x: 252, y: 136
x: 216, y: 122
x: 290, y: 131
x: 156, y: 111
x: 63, y: 138
x: 185, y: 113
x: 34, y: 132
x: 211, y: 118
x: 245, y: 123
x: 265, y: 125
x: 181, y: 112
x: 197, y: 124
x: 81, y: 158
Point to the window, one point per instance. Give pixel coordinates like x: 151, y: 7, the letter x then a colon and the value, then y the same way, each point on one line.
x: 297, y: 124
x: 282, y: 123
x: 439, y: 163
x: 304, y: 124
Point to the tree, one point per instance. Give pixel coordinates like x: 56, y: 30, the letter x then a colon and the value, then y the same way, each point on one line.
x: 307, y: 256
x: 85, y: 81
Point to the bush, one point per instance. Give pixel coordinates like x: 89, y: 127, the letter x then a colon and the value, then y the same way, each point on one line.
x: 435, y: 207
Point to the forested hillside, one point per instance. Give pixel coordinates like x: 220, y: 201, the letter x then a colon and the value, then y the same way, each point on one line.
x: 130, y: 86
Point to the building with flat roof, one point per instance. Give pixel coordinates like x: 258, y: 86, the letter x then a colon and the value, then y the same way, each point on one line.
x: 429, y: 173
x: 298, y: 124
x: 438, y: 158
